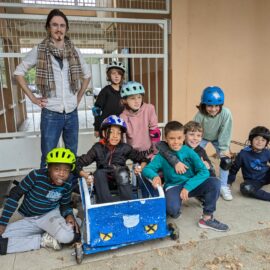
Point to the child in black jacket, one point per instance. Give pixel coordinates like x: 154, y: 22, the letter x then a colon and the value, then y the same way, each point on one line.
x: 111, y: 154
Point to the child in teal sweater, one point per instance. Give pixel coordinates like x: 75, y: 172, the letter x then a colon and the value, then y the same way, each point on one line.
x: 195, y: 182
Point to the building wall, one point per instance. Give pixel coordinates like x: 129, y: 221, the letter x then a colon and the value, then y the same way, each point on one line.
x: 224, y: 43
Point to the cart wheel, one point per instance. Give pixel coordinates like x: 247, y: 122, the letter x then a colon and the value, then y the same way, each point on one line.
x: 173, y: 230
x: 79, y: 253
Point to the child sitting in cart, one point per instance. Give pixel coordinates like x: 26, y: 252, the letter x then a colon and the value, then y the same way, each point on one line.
x: 48, y: 218
x: 110, y: 155
x: 195, y: 182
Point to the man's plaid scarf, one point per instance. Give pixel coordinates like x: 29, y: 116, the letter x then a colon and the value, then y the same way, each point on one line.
x: 44, y: 72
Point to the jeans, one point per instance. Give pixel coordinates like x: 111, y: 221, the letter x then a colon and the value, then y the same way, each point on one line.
x: 209, y: 190
x: 52, y: 125
x: 223, y: 175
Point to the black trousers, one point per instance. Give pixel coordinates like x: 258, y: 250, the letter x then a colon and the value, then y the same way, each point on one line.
x: 103, y: 180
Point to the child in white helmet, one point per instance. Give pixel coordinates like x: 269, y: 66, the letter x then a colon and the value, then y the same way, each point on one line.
x: 109, y: 101
x: 216, y: 121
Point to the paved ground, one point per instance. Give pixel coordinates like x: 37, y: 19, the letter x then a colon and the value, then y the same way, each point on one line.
x: 244, y: 216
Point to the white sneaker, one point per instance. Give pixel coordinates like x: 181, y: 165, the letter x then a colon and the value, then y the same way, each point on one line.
x: 226, y: 193
x: 47, y: 241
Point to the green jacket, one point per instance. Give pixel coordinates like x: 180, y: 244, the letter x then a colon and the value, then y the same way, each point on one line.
x: 218, y: 128
x: 196, y: 173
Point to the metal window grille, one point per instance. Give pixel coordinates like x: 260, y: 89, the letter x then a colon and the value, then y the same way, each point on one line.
x: 130, y: 6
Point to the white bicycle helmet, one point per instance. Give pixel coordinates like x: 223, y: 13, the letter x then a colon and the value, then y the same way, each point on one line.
x: 116, y: 64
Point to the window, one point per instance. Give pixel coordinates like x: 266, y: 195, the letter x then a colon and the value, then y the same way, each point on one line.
x: 85, y: 3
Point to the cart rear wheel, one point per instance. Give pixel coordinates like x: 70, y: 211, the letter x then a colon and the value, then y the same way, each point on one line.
x: 79, y: 253
x: 174, y: 231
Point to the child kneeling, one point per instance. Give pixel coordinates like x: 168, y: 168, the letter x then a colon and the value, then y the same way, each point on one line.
x: 195, y: 182
x: 48, y: 217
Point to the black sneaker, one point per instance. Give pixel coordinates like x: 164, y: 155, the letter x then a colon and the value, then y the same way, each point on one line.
x: 213, y: 224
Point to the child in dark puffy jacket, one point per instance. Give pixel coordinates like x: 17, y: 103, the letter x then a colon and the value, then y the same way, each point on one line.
x: 110, y: 155
x: 254, y: 160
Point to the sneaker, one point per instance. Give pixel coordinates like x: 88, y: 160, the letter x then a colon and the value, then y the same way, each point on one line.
x: 47, y: 241
x: 226, y: 193
x: 213, y: 224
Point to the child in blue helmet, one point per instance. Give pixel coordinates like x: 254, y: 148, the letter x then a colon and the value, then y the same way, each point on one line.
x: 216, y: 121
x: 109, y: 101
x: 253, y: 161
x: 110, y: 155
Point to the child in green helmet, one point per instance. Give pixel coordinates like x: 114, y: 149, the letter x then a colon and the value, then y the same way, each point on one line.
x: 47, y: 215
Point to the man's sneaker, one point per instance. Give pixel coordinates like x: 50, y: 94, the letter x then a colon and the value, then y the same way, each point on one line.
x: 226, y: 193
x: 213, y: 224
x: 47, y: 241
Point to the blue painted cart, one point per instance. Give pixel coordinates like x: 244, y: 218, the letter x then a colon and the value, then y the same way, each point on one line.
x: 113, y: 225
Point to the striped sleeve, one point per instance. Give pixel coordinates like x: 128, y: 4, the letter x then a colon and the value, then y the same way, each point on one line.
x: 65, y: 203
x: 14, y: 196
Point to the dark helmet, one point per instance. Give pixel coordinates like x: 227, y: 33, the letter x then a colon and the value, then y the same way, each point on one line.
x: 259, y: 131
x: 212, y: 95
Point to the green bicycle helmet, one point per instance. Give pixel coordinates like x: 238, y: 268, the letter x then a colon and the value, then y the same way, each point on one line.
x: 61, y: 155
x: 131, y: 88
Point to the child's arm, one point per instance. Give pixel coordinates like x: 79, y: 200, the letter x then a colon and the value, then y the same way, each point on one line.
x: 225, y: 133
x: 65, y: 203
x: 154, y: 131
x: 201, y: 173
x: 13, y: 199
x: 100, y: 103
x: 207, y: 162
x: 85, y: 160
x: 164, y: 150
x: 150, y: 171
x: 234, y: 169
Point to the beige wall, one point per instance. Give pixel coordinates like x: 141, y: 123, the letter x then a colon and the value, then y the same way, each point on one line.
x: 224, y: 43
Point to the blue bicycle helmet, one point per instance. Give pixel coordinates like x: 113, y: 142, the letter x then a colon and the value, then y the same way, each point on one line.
x: 131, y: 88
x: 113, y: 120
x: 212, y: 95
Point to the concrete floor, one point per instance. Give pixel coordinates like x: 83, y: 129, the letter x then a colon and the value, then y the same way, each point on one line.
x: 241, y: 214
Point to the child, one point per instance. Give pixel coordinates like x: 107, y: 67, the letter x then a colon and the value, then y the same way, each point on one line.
x: 111, y: 154
x: 253, y: 161
x: 48, y: 218
x: 141, y: 118
x: 109, y: 101
x: 193, y: 137
x: 194, y: 182
x: 142, y: 126
x: 216, y: 121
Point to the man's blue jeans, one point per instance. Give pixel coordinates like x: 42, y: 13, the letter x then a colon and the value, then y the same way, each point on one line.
x: 209, y: 190
x: 52, y: 125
